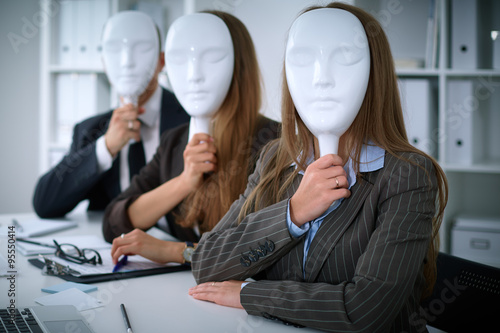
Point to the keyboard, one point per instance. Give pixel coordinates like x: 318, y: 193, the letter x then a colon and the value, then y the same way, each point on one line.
x: 24, y: 322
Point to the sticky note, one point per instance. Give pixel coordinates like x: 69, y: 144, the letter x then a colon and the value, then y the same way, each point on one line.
x: 80, y: 300
x: 68, y: 285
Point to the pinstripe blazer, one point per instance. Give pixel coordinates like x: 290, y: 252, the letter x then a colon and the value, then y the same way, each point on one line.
x: 364, y: 271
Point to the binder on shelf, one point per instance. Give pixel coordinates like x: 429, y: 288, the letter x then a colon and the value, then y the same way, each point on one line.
x: 155, y: 11
x: 79, y: 30
x: 495, y: 37
x: 471, y: 43
x: 465, y: 124
x: 65, y: 47
x: 78, y: 97
x: 83, y: 22
x: 419, y: 109
x: 100, y: 14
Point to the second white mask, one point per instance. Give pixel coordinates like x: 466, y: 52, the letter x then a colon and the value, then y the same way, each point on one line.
x: 199, y: 58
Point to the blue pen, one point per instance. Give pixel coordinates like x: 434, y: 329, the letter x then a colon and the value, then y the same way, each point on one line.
x: 122, y: 262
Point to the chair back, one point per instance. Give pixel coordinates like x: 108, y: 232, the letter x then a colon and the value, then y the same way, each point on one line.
x: 466, y: 296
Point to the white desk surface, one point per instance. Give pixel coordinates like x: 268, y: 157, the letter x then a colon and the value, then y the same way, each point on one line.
x: 158, y: 303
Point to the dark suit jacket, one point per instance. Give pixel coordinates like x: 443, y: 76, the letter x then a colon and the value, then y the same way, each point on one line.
x: 364, y: 270
x: 76, y: 177
x: 168, y: 163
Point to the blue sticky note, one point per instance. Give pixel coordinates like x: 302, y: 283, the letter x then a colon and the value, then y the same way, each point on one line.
x: 68, y: 285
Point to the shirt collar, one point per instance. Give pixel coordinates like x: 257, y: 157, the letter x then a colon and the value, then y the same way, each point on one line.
x: 371, y: 159
x: 152, y: 108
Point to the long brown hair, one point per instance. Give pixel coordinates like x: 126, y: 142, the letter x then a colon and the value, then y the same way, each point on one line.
x: 380, y: 120
x: 234, y: 126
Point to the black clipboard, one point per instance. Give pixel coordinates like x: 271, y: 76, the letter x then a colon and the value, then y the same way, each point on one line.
x: 114, y: 276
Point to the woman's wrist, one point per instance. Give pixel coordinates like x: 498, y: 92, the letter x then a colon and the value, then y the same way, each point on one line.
x: 293, y: 214
x: 184, y: 185
x: 173, y: 251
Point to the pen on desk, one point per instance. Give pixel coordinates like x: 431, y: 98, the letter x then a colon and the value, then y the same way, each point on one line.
x: 35, y: 243
x: 18, y: 226
x: 125, y: 317
x: 122, y: 262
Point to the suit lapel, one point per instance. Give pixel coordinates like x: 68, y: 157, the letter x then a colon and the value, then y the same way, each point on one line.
x: 177, y: 153
x: 333, y: 227
x: 296, y: 255
x: 112, y: 182
x: 172, y: 114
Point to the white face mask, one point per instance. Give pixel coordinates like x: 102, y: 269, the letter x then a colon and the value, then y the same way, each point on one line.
x: 130, y: 53
x: 327, y: 66
x: 199, y: 58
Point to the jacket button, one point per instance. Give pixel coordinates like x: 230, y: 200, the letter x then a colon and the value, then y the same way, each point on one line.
x: 270, y: 245
x: 245, y: 261
x: 263, y: 249
x: 260, y: 253
x: 253, y: 256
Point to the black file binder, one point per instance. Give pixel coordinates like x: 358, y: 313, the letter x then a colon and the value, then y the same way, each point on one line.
x: 114, y: 276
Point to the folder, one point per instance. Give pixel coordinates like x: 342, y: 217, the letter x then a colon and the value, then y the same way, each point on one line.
x: 100, y: 14
x: 155, y: 11
x: 465, y: 123
x: 464, y: 34
x: 83, y: 22
x: 471, y: 44
x: 87, y: 273
x: 420, y: 114
x: 65, y: 49
x: 496, y: 50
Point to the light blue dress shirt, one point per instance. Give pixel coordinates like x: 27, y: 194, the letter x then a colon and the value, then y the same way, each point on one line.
x: 371, y: 159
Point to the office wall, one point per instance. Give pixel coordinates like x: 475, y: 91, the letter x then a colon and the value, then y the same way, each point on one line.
x: 19, y: 67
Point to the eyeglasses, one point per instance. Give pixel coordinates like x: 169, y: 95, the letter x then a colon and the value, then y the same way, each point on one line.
x: 72, y: 253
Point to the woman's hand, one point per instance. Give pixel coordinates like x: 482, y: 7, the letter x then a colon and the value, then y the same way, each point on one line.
x: 324, y: 181
x: 225, y: 293
x: 147, y: 246
x: 199, y: 158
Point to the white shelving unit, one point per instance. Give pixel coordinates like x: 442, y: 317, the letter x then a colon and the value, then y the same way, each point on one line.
x: 474, y: 187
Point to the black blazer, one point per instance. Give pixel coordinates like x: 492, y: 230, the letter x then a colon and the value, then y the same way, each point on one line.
x: 76, y: 177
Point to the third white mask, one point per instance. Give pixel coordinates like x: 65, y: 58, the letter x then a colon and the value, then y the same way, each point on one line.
x: 199, y: 58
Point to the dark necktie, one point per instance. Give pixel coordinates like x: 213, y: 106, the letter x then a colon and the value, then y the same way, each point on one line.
x: 136, y: 158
